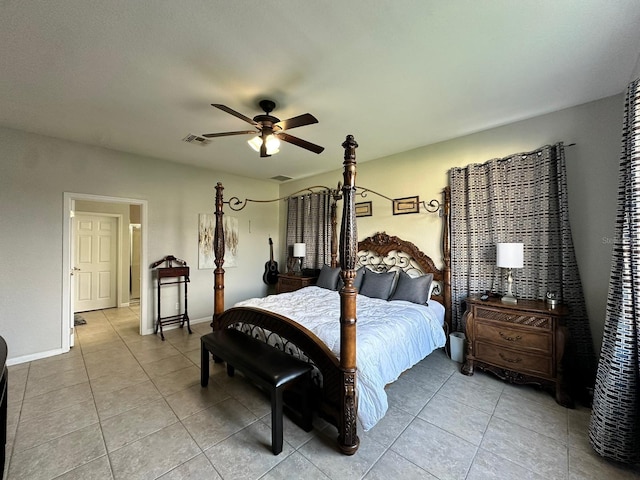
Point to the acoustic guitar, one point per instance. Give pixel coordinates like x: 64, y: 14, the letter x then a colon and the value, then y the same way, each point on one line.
x: 270, y: 276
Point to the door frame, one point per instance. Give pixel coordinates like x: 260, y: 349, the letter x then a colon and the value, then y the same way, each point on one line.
x: 67, y: 260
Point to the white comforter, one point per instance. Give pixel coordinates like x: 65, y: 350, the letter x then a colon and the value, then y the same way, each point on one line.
x: 391, y: 337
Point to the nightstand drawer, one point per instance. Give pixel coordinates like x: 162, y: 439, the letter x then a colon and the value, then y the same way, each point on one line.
x: 291, y: 283
x: 528, y: 340
x: 515, y: 360
x: 526, y: 319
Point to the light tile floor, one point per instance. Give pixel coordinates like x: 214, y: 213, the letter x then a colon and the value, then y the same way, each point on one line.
x: 124, y: 406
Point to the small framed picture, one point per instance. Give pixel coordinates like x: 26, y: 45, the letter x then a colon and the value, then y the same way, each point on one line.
x: 406, y: 205
x: 364, y: 209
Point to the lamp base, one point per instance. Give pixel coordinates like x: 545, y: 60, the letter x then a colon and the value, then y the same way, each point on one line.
x: 297, y: 266
x: 510, y: 299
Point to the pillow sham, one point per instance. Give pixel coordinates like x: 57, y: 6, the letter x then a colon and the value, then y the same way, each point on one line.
x: 328, y: 277
x: 415, y: 290
x: 377, y: 285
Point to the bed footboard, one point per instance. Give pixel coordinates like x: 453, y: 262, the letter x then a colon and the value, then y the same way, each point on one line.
x: 293, y: 338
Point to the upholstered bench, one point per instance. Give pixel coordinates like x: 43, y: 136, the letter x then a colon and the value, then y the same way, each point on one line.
x: 263, y: 364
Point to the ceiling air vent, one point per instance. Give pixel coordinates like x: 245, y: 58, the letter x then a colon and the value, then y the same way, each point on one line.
x: 280, y: 178
x: 196, y: 139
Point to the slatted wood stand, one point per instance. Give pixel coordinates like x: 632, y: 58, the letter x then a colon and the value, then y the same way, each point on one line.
x: 171, y: 275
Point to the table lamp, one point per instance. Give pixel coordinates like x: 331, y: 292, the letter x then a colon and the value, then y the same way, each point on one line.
x: 510, y: 256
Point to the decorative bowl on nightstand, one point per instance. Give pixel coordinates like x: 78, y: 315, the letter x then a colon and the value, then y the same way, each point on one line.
x: 552, y: 299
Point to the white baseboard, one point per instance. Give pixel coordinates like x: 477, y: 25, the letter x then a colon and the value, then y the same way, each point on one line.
x: 34, y: 356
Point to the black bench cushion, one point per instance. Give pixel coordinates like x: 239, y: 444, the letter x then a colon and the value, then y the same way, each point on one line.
x: 249, y: 354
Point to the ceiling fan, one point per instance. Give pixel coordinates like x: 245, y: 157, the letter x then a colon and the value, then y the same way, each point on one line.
x: 270, y: 129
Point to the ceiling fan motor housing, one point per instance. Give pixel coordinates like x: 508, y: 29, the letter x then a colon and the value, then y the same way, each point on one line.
x: 267, y: 105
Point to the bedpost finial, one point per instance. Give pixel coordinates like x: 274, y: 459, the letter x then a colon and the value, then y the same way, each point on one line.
x: 350, y: 146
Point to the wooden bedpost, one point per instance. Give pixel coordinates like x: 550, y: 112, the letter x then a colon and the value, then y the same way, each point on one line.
x: 335, y: 196
x: 446, y: 250
x: 218, y: 247
x: 348, y: 440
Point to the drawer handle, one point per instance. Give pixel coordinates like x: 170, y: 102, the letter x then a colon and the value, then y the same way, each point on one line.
x: 510, y: 339
x: 510, y: 360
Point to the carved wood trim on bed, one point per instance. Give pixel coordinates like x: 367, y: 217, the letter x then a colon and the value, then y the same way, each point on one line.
x: 337, y: 400
x: 348, y: 440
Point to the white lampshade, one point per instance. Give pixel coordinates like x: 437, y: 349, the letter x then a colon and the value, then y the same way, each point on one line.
x: 510, y: 255
x: 272, y: 142
x: 299, y: 250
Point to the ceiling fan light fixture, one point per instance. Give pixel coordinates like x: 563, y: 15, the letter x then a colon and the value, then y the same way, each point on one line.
x: 272, y: 143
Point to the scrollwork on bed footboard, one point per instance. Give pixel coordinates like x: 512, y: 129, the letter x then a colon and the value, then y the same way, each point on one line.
x: 281, y: 343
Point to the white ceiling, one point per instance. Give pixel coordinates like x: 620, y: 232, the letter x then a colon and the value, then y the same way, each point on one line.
x: 139, y: 76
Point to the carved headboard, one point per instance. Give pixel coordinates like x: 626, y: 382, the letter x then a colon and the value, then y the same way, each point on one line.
x: 386, y: 253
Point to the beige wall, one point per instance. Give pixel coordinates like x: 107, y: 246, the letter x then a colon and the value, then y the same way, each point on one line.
x: 592, y: 172
x: 36, y: 171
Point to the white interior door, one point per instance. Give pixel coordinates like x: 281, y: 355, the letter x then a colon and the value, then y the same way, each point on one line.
x: 95, y: 262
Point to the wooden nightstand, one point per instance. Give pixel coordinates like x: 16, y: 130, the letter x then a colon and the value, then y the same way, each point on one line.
x: 291, y: 283
x: 521, y: 343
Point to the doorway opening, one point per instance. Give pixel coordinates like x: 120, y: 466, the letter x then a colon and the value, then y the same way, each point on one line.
x: 133, y: 281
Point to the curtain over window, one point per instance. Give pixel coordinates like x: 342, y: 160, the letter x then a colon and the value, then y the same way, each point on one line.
x: 615, y: 420
x: 309, y: 222
x: 520, y: 198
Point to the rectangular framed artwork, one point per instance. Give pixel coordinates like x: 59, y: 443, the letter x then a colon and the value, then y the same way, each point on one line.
x: 364, y: 209
x: 406, y: 205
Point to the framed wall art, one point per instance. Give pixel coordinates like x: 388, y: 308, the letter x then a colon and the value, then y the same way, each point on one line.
x: 406, y: 205
x: 364, y: 209
x: 206, y: 255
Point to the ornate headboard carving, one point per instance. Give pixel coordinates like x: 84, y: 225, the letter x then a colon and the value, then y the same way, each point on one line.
x: 382, y: 252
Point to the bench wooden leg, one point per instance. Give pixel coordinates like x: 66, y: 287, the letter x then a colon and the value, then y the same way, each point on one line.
x: 305, y: 409
x: 204, y: 366
x: 276, y: 420
x: 230, y: 370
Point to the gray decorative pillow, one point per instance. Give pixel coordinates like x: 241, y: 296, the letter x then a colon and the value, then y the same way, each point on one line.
x: 414, y: 290
x: 328, y: 277
x: 377, y: 285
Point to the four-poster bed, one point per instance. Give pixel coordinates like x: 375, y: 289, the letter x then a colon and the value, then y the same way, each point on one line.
x: 337, y: 398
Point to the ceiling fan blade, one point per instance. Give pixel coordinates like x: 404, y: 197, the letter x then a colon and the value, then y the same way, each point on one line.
x: 300, y: 143
x: 224, y: 108
x: 227, y: 134
x: 299, y: 121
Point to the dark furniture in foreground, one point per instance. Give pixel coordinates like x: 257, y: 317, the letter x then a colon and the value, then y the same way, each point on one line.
x: 265, y: 365
x: 3, y: 404
x: 522, y: 343
x: 291, y: 283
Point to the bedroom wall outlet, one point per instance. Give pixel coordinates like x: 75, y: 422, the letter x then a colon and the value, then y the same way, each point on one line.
x: 177, y: 306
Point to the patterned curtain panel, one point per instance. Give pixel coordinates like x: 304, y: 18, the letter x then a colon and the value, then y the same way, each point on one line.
x: 309, y: 222
x: 520, y: 198
x: 615, y: 420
